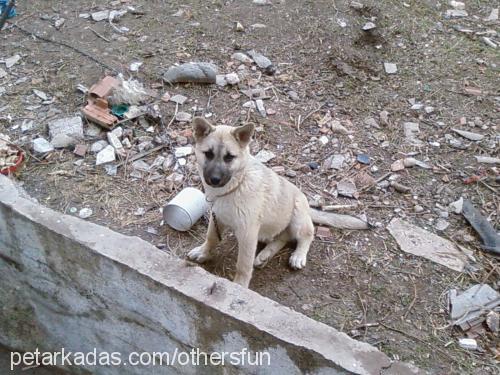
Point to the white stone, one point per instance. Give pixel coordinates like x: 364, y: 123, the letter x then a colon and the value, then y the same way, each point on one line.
x: 232, y: 78
x: 114, y: 141
x: 106, y: 155
x: 98, y: 146
x: 264, y: 156
x: 241, y: 57
x: 260, y: 107
x: 71, y: 126
x: 41, y: 146
x: 85, y: 213
x: 11, y: 61
x: 181, y: 152
x: 118, y: 132
x: 100, y: 16
x: 469, y: 344
x: 179, y: 99
x: 249, y: 104
x: 63, y: 141
x: 390, y: 68
x: 323, y: 140
x: 40, y: 94
x: 456, y: 13
x: 183, y: 117
x: 493, y: 15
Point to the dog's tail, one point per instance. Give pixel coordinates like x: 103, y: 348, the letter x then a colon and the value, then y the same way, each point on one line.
x: 337, y: 220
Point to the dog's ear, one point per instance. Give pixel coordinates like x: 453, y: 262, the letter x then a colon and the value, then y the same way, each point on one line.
x: 243, y: 134
x: 201, y: 128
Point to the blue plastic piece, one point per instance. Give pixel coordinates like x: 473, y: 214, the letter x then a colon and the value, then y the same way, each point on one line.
x: 3, y: 5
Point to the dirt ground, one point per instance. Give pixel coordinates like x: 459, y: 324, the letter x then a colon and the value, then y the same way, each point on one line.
x: 359, y: 282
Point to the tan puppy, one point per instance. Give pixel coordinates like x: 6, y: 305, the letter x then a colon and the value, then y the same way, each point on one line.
x: 250, y: 199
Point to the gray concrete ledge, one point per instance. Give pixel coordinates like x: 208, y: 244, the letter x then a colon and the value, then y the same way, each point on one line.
x: 65, y: 282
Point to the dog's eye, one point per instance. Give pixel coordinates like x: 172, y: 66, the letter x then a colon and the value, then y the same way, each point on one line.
x: 209, y: 154
x: 228, y: 158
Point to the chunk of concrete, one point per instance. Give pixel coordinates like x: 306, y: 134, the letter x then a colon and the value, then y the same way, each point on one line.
x: 417, y: 241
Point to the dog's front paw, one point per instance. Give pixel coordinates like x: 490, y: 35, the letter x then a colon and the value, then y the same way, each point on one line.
x: 298, y: 261
x: 199, y: 254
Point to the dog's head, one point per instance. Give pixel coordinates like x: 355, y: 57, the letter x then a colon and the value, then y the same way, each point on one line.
x: 221, y: 151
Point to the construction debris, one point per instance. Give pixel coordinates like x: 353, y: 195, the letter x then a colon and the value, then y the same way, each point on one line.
x: 417, y: 241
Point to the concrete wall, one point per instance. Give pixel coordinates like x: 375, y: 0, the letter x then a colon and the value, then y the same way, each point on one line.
x: 65, y: 282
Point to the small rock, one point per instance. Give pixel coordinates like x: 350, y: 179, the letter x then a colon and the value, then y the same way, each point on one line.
x: 262, y: 62
x: 135, y: 66
x: 93, y: 131
x: 456, y: 13
x: 249, y: 104
x: 348, y: 189
x: 429, y: 110
x: 197, y: 72
x: 71, y: 126
x: 293, y: 95
x: 80, y: 150
x: 323, y: 140
x: 179, y: 99
x: 114, y: 141
x: 398, y: 165
x: 390, y: 68
x: 264, y: 156
x: 363, y: 159
x: 489, y: 42
x: 469, y: 344
x: 457, y: 5
x: 356, y: 5
x: 176, y: 178
x: 42, y: 146
x: 98, y: 146
x: 493, y: 15
x: 232, y: 78
x: 111, y: 169
x: 335, y: 161
x: 100, y: 16
x: 85, y: 213
x: 11, y: 61
x: 369, y: 26
x: 239, y: 27
x: 469, y: 135
x: 371, y: 122
x: 140, y: 211
x: 457, y: 206
x: 441, y: 224
x: 313, y: 165
x: 183, y: 117
x: 417, y: 208
x: 241, y: 57
x: 417, y: 106
x: 411, y: 129
x: 182, y: 152
x: 106, y: 155
x: 59, y: 22
x: 291, y: 173
x: 141, y: 165
x: 27, y: 125
x: 323, y: 233
x: 260, y: 107
x: 493, y: 321
x: 3, y: 73
x: 118, y: 132
x: 63, y: 141
x: 384, y: 117
x: 40, y: 94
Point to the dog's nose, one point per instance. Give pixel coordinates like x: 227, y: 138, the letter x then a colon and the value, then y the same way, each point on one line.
x: 215, y: 180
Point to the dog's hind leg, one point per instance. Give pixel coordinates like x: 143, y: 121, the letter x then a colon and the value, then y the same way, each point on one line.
x: 301, y: 228
x: 271, y: 249
x: 203, y: 253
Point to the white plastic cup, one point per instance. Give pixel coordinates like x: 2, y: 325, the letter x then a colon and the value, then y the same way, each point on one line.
x: 185, y: 209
